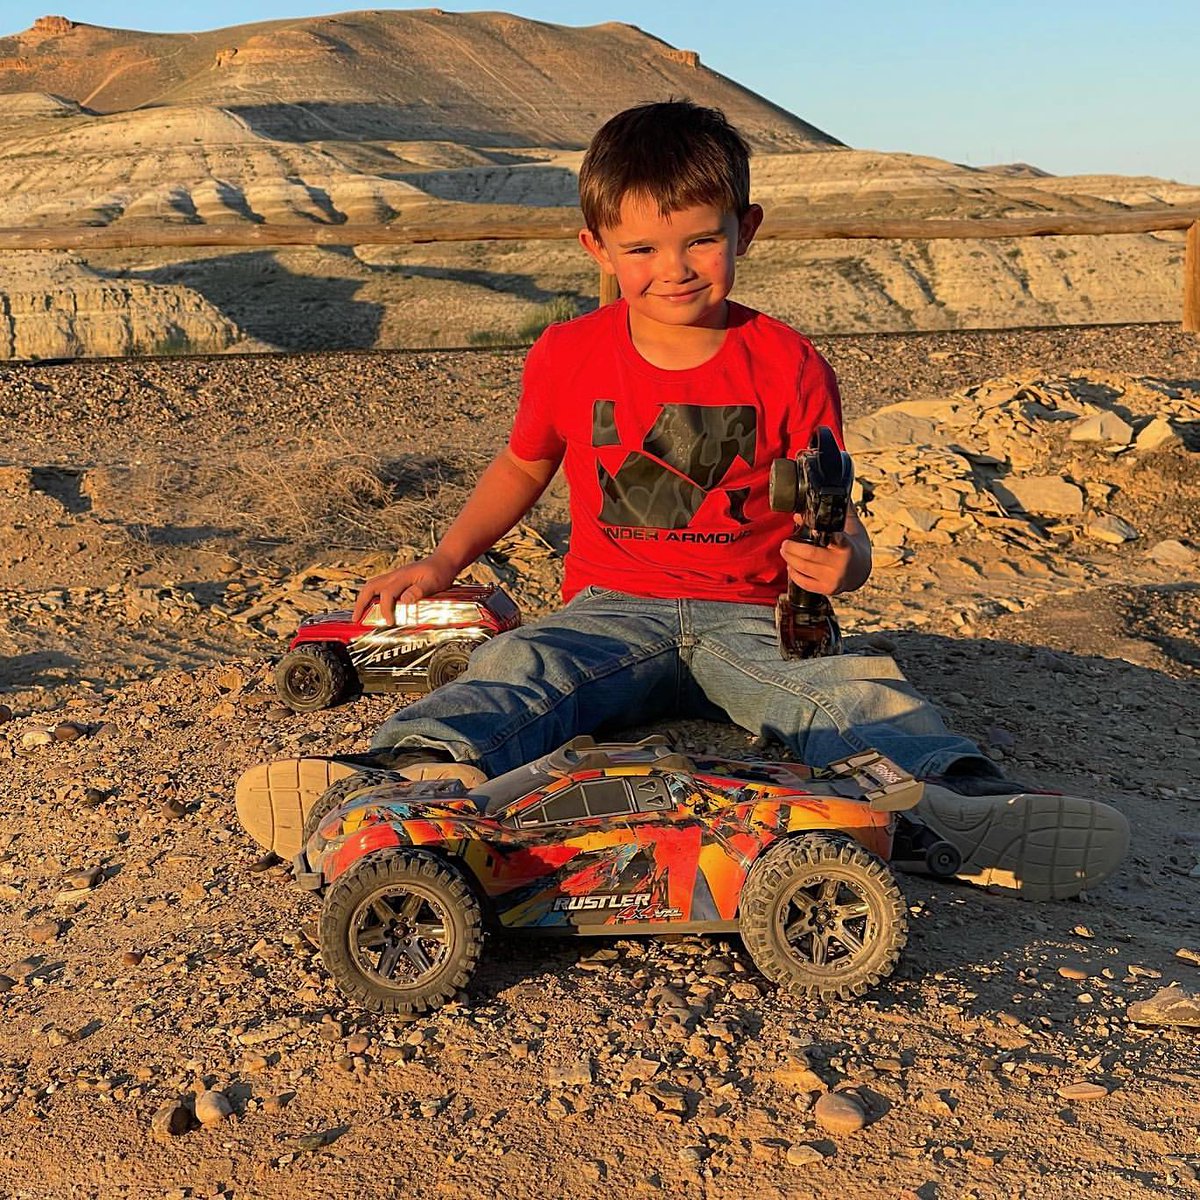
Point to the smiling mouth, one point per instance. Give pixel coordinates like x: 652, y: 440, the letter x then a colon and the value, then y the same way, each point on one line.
x: 676, y: 296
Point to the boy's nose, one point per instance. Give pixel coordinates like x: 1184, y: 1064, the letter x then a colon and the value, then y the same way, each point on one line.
x: 675, y: 266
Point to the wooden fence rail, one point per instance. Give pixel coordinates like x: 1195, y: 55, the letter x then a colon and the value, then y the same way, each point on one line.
x: 158, y: 235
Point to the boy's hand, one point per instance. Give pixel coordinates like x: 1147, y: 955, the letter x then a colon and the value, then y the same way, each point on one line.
x: 404, y: 585
x: 825, y: 570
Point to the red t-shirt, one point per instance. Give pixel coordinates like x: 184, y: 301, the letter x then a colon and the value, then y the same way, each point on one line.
x: 668, y: 470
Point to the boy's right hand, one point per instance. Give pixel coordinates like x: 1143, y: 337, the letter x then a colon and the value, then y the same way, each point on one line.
x: 405, y: 585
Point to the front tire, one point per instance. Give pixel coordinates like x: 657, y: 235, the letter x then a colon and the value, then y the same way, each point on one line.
x: 312, y: 677
x: 823, y: 917
x: 401, y: 932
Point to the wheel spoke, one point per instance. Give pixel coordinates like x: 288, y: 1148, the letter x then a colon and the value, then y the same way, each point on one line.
x: 828, y: 891
x: 374, y: 938
x: 383, y: 911
x: 410, y: 907
x: 389, y: 960
x: 857, y: 908
x: 848, y: 940
x: 430, y: 933
x: 819, y: 949
x: 796, y: 929
x: 416, y: 955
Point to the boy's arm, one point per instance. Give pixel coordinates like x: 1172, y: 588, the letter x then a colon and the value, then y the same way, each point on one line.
x: 842, y: 566
x: 506, y: 491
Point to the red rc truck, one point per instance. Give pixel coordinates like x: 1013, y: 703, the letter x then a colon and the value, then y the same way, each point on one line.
x: 333, y: 656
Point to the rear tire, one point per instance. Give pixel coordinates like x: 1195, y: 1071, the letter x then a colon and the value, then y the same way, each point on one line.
x: 448, y: 662
x: 338, y: 793
x: 401, y: 932
x: 312, y: 677
x: 823, y: 917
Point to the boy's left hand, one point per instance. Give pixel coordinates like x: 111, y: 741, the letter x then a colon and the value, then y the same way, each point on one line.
x: 825, y: 570
x: 842, y: 566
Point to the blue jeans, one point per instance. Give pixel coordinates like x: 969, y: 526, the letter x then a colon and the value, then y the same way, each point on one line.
x: 609, y: 660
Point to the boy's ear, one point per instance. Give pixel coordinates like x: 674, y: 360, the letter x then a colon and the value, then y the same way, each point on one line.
x: 595, y: 247
x: 748, y: 227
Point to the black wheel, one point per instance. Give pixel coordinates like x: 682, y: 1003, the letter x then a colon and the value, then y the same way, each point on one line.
x: 337, y: 794
x: 312, y: 677
x: 943, y: 859
x: 823, y: 916
x: 401, y: 932
x: 448, y: 662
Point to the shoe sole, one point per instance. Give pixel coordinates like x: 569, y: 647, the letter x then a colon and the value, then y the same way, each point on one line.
x: 1042, y: 847
x: 273, y: 799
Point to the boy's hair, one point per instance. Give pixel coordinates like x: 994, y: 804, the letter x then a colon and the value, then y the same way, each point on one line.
x: 675, y: 153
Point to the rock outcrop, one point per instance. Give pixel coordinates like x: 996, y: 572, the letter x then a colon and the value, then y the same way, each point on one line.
x: 54, y: 306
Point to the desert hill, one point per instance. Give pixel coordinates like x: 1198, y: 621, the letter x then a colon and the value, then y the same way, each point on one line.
x: 457, y: 120
x: 471, y: 78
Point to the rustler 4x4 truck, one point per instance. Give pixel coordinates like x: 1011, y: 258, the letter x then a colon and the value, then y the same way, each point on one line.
x: 613, y: 839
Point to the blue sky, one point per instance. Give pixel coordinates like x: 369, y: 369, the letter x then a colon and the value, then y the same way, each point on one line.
x: 1068, y: 85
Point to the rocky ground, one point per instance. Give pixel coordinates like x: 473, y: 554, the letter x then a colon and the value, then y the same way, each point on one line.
x: 169, y: 1028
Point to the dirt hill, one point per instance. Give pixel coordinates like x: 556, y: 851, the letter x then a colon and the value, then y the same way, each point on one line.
x: 470, y: 78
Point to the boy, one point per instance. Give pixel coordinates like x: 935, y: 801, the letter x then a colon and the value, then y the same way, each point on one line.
x: 665, y: 410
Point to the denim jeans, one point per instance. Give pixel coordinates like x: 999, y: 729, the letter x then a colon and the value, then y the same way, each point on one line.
x: 609, y: 660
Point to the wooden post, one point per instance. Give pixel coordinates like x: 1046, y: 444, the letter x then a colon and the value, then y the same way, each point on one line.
x: 610, y: 292
x: 1191, y: 280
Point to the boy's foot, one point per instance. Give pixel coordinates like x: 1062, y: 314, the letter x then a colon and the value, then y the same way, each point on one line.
x: 1042, y: 846
x: 272, y: 799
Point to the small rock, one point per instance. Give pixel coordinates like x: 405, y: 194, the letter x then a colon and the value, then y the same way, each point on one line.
x: 133, y: 958
x: 277, y: 1102
x: 1084, y: 1090
x: 32, y: 738
x: 1188, y: 955
x: 839, y: 1112
x: 171, y: 1120
x: 7, y: 983
x: 41, y: 933
x: 6, y: 713
x: 68, y: 731
x: 593, y: 1170
x: 212, y: 1107
x: 1103, y: 427
x: 1172, y: 553
x: 1168, y: 1006
x: 1110, y: 529
x: 802, y: 1154
x: 1156, y: 434
x: 1049, y: 494
x: 577, y: 1074
x: 83, y: 879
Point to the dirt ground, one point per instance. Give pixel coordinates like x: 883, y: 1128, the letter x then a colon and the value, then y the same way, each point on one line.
x: 164, y: 524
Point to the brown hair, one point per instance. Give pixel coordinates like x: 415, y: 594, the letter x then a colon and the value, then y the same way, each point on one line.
x: 676, y: 154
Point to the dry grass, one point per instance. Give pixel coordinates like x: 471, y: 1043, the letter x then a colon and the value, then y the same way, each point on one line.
x: 331, y: 495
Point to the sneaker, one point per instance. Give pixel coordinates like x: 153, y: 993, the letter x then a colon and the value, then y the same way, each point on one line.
x: 1039, y: 845
x: 273, y: 799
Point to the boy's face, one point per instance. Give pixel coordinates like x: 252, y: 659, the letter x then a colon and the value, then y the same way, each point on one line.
x: 675, y: 270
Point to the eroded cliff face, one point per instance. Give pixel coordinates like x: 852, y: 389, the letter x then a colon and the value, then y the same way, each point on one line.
x: 54, y: 306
